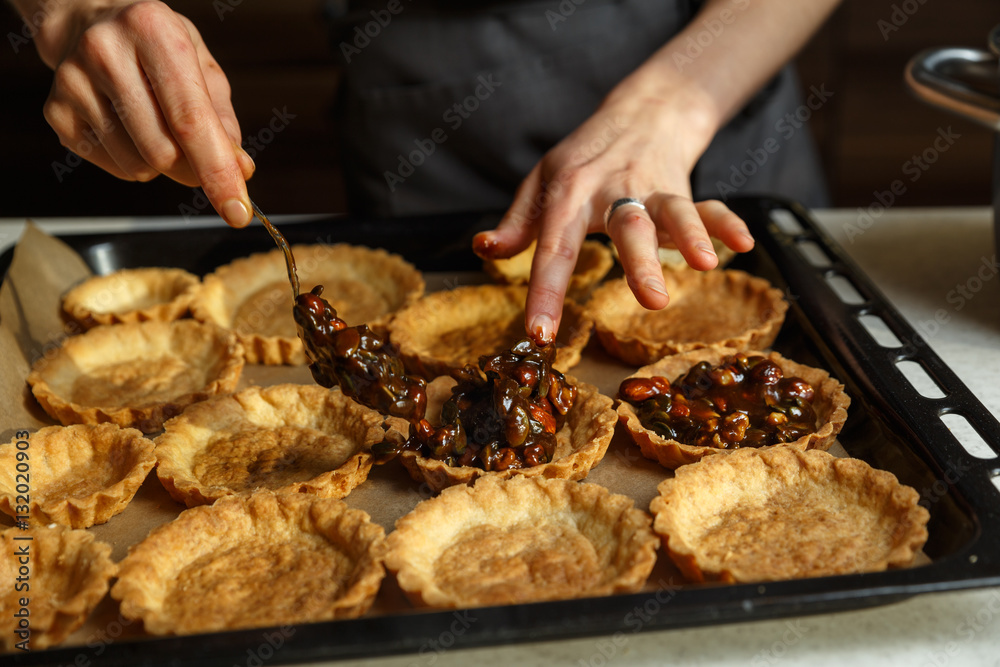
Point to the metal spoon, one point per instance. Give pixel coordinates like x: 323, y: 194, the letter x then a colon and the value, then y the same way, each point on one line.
x: 293, y: 277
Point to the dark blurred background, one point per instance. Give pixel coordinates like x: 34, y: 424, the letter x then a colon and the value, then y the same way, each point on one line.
x: 277, y: 56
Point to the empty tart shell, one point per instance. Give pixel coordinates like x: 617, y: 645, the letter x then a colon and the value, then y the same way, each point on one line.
x: 287, y: 438
x: 252, y: 296
x: 727, y: 308
x: 262, y: 560
x: 592, y: 264
x: 782, y: 513
x: 580, y: 444
x: 69, y: 574
x: 81, y: 475
x: 136, y: 375
x: 830, y: 402
x: 446, y: 330
x: 521, y: 540
x: 132, y: 295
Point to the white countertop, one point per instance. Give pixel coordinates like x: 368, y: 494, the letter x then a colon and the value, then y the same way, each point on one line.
x: 936, y: 266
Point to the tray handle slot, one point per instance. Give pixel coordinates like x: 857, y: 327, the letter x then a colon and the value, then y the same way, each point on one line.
x: 849, y: 346
x: 919, y: 379
x: 967, y: 435
x: 879, y: 330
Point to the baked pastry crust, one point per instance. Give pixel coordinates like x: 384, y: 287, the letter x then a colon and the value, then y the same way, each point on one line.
x: 446, y: 330
x: 262, y: 560
x: 70, y: 572
x: 81, y: 475
x: 830, y: 403
x: 132, y: 295
x: 251, y: 295
x: 580, y: 444
x: 136, y: 375
x: 727, y: 308
x: 592, y: 264
x: 781, y: 513
x: 522, y: 539
x: 287, y: 438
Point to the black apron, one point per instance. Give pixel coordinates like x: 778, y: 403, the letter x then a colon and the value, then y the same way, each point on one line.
x: 446, y: 106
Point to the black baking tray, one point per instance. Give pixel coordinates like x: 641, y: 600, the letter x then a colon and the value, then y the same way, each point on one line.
x: 891, y: 426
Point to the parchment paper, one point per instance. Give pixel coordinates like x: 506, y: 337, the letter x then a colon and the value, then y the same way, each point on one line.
x: 31, y: 325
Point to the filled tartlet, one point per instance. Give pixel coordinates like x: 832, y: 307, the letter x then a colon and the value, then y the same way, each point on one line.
x: 287, y: 438
x: 136, y: 375
x: 69, y: 574
x: 520, y: 540
x: 725, y: 308
x: 782, y: 513
x: 592, y: 264
x: 132, y: 295
x: 251, y: 295
x: 263, y: 560
x: 81, y: 475
x: 446, y: 330
x: 715, y: 400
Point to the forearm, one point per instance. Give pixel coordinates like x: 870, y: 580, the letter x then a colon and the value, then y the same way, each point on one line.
x: 723, y: 56
x: 55, y: 21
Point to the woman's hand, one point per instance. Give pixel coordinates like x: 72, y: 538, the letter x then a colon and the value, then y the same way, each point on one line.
x: 636, y: 145
x: 137, y: 93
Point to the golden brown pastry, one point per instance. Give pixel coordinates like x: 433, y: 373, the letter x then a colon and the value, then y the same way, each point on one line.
x: 782, y: 513
x: 592, y: 264
x: 136, y: 375
x: 726, y: 308
x: 252, y: 297
x: 287, y: 438
x: 68, y: 574
x: 267, y: 559
x: 132, y: 295
x: 580, y: 444
x: 830, y: 403
x: 522, y: 539
x: 446, y: 330
x: 80, y: 475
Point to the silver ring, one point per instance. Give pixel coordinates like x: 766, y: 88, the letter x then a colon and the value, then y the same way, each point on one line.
x: 618, y: 203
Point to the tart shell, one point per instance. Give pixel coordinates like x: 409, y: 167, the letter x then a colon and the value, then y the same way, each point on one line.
x: 446, y: 330
x: 136, y: 375
x: 81, y: 475
x: 132, y: 295
x: 830, y: 404
x: 520, y: 540
x: 781, y: 513
x: 725, y: 308
x: 581, y: 444
x: 592, y: 264
x: 252, y: 297
x: 287, y: 438
x: 70, y: 573
x: 263, y: 560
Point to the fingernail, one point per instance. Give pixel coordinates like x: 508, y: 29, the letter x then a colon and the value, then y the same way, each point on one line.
x: 706, y: 249
x: 246, y: 162
x: 484, y: 244
x: 235, y: 213
x: 542, y: 329
x: 656, y: 286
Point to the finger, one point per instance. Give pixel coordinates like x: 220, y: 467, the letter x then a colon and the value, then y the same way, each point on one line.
x: 680, y: 219
x: 725, y: 225
x: 78, y: 137
x: 180, y: 91
x: 562, y: 228
x: 634, y: 234
x: 517, y: 229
